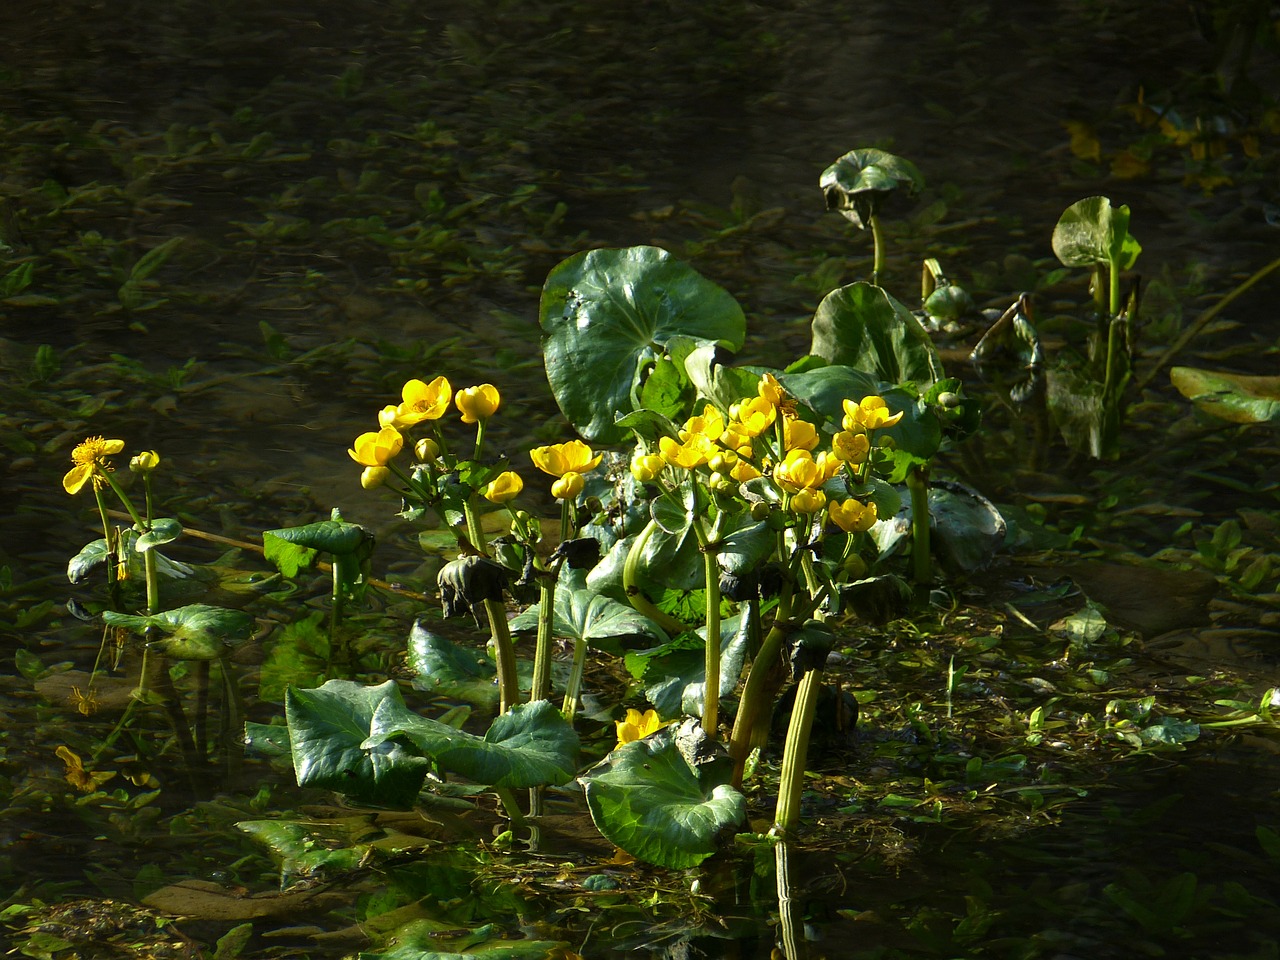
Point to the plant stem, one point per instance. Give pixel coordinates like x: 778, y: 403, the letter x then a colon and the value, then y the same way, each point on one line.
x: 541, y: 689
x: 921, y: 559
x: 877, y: 260
x: 569, y: 708
x: 711, y: 687
x: 503, y: 651
x: 635, y: 596
x: 511, y: 805
x: 755, y: 689
x: 795, y: 754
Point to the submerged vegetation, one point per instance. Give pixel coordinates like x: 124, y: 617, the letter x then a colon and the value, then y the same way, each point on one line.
x: 795, y: 602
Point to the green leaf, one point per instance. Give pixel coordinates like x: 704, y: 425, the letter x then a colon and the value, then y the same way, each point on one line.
x: 676, y: 683
x: 530, y: 745
x: 605, y: 313
x: 92, y: 554
x: 1091, y: 231
x: 862, y: 326
x: 1230, y: 396
x: 824, y: 389
x: 163, y: 530
x: 197, y: 631
x: 857, y: 183
x: 449, y: 669
x: 584, y: 614
x: 646, y: 799
x: 424, y: 939
x: 294, y: 548
x: 153, y: 259
x: 328, y: 730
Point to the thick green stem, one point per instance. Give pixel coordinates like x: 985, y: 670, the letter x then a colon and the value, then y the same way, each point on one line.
x: 569, y: 708
x: 795, y: 754
x: 711, y: 688
x: 921, y: 552
x: 541, y: 689
x: 503, y: 650
x: 511, y: 805
x: 756, y: 689
x: 635, y: 596
x: 877, y: 238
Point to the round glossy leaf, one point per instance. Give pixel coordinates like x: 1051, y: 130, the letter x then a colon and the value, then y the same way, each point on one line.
x: 646, y: 799
x: 824, y: 389
x: 861, y: 326
x: 328, y: 727
x: 584, y: 614
x: 163, y: 530
x: 606, y: 313
x: 857, y: 183
x: 197, y: 631
x: 1091, y: 231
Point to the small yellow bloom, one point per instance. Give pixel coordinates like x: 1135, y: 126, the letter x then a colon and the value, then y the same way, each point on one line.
x: 646, y: 467
x: 800, y: 471
x: 851, y: 446
x: 572, y: 456
x: 743, y: 471
x: 799, y: 434
x: 421, y: 401
x: 736, y: 438
x: 637, y: 725
x: 808, y: 501
x: 710, y: 424
x: 505, y: 486
x: 853, y: 516
x: 769, y: 389
x: 376, y: 449
x: 90, y: 459
x: 568, y: 486
x: 477, y: 403
x: 694, y: 452
x: 373, y: 477
x: 145, y: 462
x: 871, y: 413
x: 756, y: 415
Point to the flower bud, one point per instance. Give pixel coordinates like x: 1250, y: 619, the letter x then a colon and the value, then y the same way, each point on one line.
x: 426, y: 450
x: 646, y: 467
x: 145, y: 462
x: 373, y: 477
x: 568, y: 486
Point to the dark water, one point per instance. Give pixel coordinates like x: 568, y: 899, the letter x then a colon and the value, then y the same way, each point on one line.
x: 385, y: 185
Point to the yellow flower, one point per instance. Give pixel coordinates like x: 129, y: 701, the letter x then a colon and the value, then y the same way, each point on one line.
x: 799, y: 471
x: 799, y: 434
x: 743, y: 471
x: 477, y: 403
x: 851, y: 446
x: 756, y: 415
x: 872, y: 413
x: 568, y: 486
x: 145, y: 462
x: 853, y: 516
x: 808, y: 501
x: 376, y: 449
x: 505, y: 486
x: 736, y: 438
x: 421, y: 401
x: 645, y: 467
x: 372, y: 477
x: 770, y: 389
x: 637, y: 725
x: 694, y: 452
x: 572, y: 456
x: 709, y: 424
x: 90, y: 459
x: 77, y: 775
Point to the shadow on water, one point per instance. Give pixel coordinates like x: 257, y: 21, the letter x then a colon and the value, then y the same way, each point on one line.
x: 366, y: 192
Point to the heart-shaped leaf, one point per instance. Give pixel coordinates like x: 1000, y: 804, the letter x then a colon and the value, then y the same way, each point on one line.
x: 328, y: 730
x: 1092, y: 231
x: 584, y: 614
x: 646, y: 799
x: 857, y: 183
x: 861, y: 326
x: 606, y: 313
x: 197, y: 631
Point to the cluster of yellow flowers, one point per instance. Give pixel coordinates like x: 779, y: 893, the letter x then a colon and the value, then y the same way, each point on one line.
x: 421, y: 402
x: 425, y: 402
x: 729, y: 450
